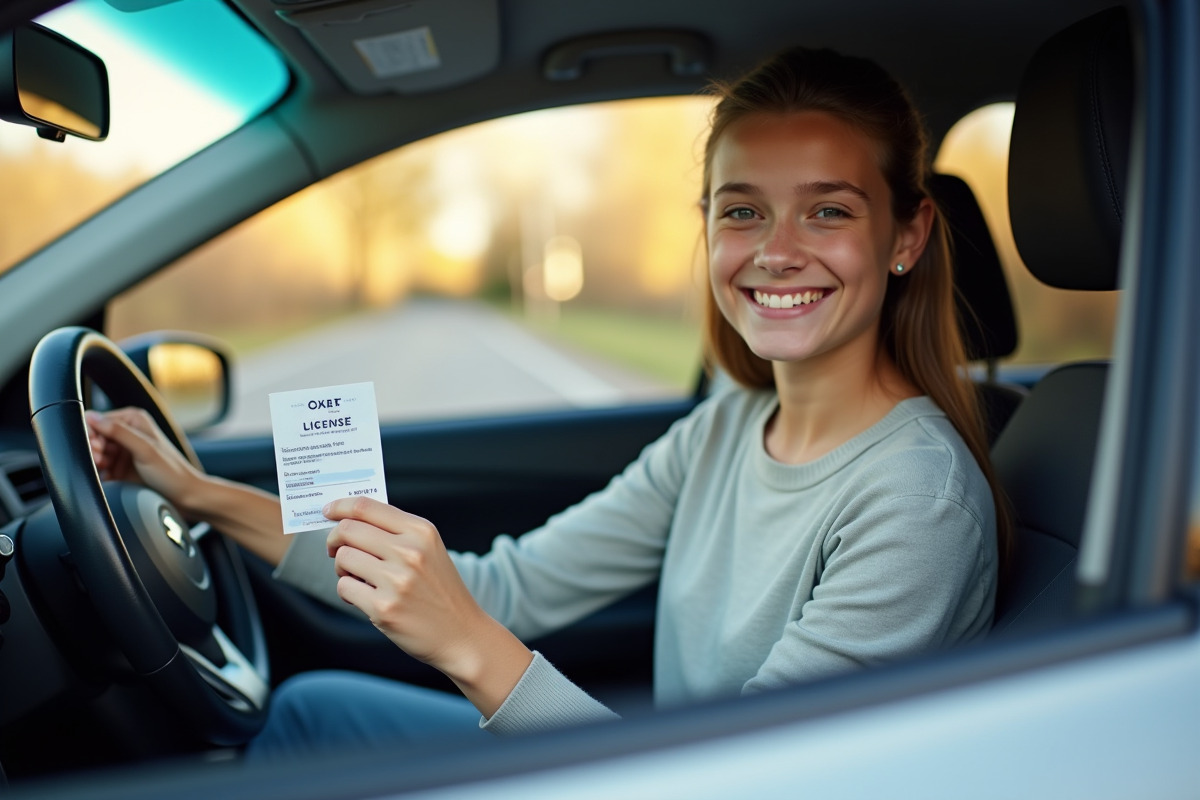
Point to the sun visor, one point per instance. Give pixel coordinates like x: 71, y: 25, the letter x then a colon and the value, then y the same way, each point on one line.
x: 403, y: 45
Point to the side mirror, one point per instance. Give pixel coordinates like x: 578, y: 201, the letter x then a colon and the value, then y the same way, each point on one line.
x: 53, y: 84
x: 190, y: 371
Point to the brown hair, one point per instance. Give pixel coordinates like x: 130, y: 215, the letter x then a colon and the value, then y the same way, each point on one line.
x: 918, y: 326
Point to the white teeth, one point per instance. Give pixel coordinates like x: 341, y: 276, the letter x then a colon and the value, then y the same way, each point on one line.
x: 787, y: 300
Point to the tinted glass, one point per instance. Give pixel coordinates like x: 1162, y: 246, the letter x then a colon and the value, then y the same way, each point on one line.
x: 172, y: 95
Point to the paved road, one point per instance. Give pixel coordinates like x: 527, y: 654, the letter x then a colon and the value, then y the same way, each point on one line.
x: 431, y: 358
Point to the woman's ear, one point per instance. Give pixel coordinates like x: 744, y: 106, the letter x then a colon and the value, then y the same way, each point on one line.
x: 912, y: 236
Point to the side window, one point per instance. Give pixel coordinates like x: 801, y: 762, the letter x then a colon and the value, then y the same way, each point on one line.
x: 1054, y: 325
x: 546, y: 260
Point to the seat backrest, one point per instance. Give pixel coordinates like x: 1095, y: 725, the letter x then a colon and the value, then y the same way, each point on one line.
x: 1044, y: 461
x: 981, y: 296
x: 1067, y: 165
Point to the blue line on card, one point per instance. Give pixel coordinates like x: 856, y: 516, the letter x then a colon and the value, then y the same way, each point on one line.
x: 345, y: 477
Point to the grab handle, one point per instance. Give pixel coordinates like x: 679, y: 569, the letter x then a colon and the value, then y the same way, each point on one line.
x: 687, y: 52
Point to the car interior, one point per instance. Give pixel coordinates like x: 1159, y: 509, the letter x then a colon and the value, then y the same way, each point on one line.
x: 1047, y: 449
x: 81, y: 608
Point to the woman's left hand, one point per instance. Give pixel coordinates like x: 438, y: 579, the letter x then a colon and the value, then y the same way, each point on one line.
x: 393, y: 566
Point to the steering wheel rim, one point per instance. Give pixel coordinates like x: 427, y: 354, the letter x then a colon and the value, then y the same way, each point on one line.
x: 220, y: 692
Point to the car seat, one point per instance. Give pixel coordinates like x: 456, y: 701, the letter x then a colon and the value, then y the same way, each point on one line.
x: 1067, y: 172
x: 982, y: 299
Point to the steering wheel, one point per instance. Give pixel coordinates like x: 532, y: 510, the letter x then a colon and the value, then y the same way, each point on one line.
x: 175, y: 600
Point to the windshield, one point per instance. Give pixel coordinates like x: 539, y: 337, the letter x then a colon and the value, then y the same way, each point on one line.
x: 172, y: 96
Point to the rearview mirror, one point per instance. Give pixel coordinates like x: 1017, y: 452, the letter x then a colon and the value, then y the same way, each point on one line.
x: 53, y: 84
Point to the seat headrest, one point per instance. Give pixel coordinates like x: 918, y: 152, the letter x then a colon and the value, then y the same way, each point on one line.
x: 1070, y: 153
x: 985, y: 309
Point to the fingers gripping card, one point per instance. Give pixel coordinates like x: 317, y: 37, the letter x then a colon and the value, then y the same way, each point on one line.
x: 326, y: 447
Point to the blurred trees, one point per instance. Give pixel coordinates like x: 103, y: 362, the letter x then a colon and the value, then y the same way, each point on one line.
x: 464, y: 213
x: 46, y: 192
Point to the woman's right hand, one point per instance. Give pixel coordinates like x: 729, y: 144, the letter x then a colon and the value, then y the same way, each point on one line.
x: 127, y: 445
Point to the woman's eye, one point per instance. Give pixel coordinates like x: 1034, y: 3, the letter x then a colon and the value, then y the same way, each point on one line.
x: 740, y: 214
x: 830, y: 213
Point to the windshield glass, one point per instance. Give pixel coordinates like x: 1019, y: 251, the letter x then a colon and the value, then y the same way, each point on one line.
x: 172, y: 95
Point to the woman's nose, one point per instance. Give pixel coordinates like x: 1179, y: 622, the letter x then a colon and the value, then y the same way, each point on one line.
x: 781, y: 250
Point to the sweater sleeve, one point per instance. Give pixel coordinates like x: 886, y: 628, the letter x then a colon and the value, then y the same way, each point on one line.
x: 544, y: 698
x: 902, y: 576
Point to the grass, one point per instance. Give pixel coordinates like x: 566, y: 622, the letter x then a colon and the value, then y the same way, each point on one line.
x: 663, y: 348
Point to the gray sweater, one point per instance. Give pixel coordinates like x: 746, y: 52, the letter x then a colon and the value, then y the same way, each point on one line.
x: 769, y: 573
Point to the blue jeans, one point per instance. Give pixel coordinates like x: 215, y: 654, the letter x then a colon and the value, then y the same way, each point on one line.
x: 322, y: 712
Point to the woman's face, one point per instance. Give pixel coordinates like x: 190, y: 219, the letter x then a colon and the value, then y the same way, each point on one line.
x: 801, y: 235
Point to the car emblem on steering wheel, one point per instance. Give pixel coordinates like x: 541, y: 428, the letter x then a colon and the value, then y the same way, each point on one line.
x: 175, y: 532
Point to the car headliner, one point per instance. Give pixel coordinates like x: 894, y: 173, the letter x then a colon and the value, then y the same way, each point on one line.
x: 928, y: 44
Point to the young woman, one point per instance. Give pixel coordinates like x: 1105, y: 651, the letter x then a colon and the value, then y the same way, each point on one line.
x: 835, y: 511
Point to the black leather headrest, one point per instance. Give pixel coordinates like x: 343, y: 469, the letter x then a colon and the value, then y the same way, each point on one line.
x: 985, y: 307
x: 1070, y: 153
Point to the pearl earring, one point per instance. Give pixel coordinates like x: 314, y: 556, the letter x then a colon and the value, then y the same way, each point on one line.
x: 899, y: 268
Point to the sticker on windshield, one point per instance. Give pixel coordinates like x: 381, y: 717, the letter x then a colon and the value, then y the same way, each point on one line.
x: 400, y: 53
x: 326, y: 446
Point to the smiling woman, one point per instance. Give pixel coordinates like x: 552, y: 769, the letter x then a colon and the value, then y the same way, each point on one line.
x: 171, y: 96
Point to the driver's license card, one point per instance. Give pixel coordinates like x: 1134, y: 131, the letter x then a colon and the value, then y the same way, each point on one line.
x: 326, y: 447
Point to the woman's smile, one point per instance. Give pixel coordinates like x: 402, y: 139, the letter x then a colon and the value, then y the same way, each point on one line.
x: 799, y: 300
